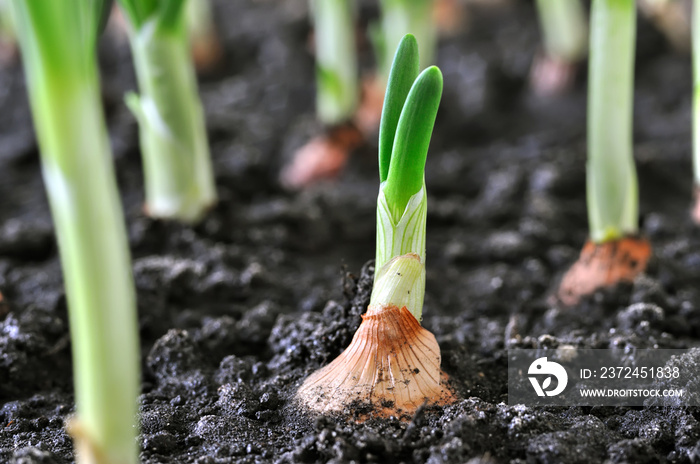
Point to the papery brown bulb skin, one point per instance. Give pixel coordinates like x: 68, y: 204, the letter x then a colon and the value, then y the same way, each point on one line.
x: 391, y: 367
x: 603, y: 265
x: 695, y: 212
x: 323, y: 157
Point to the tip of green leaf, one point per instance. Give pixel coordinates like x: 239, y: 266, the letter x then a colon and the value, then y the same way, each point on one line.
x: 409, y: 38
x: 404, y: 71
x: 433, y: 75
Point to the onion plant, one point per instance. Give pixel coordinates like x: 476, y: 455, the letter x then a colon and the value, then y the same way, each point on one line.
x: 7, y: 33
x: 615, y: 253
x: 696, y: 108
x: 337, y: 95
x: 58, y: 41
x: 204, y: 39
x: 336, y: 60
x: 564, y: 29
x: 565, y: 34
x: 177, y: 165
x: 673, y: 18
x: 392, y: 363
x: 410, y: 107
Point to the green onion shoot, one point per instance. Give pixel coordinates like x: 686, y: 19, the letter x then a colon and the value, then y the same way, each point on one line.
x: 58, y: 42
x: 612, y: 192
x: 410, y: 108
x: 337, y: 95
x: 672, y: 18
x: 696, y: 109
x: 205, y: 46
x: 336, y: 60
x: 565, y: 36
x: 614, y: 253
x: 393, y: 364
x: 564, y: 29
x: 179, y: 179
x: 8, y: 35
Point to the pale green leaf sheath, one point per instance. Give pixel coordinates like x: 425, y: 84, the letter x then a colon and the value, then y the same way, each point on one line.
x: 405, y: 235
x: 611, y: 178
x: 564, y: 29
x: 336, y: 60
x: 396, y: 239
x: 7, y: 27
x: 696, y: 91
x: 179, y: 179
x: 58, y: 42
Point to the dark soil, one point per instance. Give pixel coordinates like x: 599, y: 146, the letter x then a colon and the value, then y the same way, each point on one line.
x: 236, y: 312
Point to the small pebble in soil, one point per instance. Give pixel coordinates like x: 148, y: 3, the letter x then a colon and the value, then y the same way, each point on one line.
x: 31, y: 455
x: 233, y: 370
x: 175, y: 353
x: 640, y: 317
x: 26, y: 240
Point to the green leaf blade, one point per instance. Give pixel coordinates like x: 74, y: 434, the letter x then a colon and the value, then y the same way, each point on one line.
x: 171, y: 13
x: 58, y: 40
x: 62, y: 34
x: 401, y: 78
x: 412, y: 140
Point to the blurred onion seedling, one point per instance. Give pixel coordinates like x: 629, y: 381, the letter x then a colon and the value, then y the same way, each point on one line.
x: 392, y: 363
x: 672, y: 18
x: 206, y: 48
x: 565, y: 36
x: 696, y: 110
x: 337, y: 94
x: 58, y: 41
x: 615, y: 253
x: 179, y: 179
x: 8, y: 35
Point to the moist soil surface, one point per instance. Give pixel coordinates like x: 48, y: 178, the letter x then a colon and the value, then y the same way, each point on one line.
x: 236, y: 312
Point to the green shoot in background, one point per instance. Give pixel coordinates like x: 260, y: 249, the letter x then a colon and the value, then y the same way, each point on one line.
x: 7, y: 28
x: 58, y: 41
x: 611, y: 178
x: 200, y: 21
x: 696, y: 91
x: 410, y: 107
x: 336, y: 60
x: 205, y: 46
x: 399, y: 17
x: 179, y: 179
x: 564, y: 29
